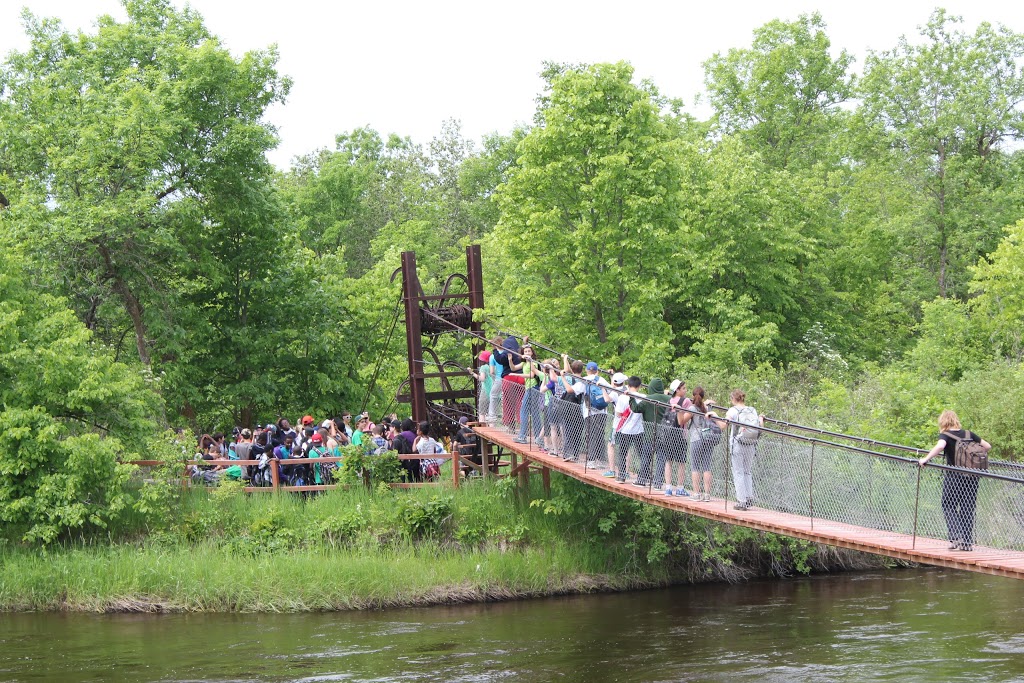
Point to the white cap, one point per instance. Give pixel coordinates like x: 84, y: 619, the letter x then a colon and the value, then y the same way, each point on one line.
x: 618, y: 378
x: 675, y: 385
x: 326, y: 424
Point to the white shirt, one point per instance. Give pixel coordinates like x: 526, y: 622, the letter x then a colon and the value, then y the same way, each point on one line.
x: 634, y: 421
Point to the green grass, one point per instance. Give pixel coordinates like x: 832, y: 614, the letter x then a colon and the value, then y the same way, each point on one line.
x: 223, y: 550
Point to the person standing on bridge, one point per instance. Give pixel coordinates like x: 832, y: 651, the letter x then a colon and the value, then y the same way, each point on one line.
x: 595, y: 416
x: 959, y: 490
x: 705, y: 435
x: 743, y: 436
x: 571, y: 417
x: 499, y: 368
x: 484, y: 375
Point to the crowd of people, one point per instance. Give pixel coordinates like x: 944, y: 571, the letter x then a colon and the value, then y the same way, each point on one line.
x: 300, y: 450
x: 569, y: 408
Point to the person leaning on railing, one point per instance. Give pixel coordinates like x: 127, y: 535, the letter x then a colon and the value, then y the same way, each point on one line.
x: 959, y: 489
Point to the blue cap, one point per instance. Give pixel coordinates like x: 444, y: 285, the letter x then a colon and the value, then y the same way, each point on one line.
x: 591, y: 366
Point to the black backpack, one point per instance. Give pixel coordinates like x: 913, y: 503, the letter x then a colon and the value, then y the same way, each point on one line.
x: 402, y: 445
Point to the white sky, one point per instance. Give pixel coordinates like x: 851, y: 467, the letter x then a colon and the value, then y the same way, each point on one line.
x: 405, y: 67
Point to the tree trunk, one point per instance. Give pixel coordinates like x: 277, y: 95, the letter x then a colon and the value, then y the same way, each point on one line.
x: 131, y: 305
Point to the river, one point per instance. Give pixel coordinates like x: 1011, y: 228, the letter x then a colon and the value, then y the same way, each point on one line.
x: 921, y: 625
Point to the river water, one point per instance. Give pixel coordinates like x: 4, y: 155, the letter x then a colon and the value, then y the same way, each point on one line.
x: 921, y: 625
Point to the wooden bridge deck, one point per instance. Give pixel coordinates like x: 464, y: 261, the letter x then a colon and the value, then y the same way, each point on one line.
x: 900, y: 546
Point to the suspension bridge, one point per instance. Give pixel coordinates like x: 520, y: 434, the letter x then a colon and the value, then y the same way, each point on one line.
x: 808, y: 483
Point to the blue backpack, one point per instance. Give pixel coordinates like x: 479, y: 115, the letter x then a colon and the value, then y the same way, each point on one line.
x: 596, y: 397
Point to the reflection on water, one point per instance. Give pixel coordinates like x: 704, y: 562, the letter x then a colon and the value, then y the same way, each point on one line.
x: 899, y: 625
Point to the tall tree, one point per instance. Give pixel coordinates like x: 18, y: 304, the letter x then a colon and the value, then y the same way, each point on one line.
x: 942, y: 112
x: 590, y: 214
x: 113, y: 138
x: 781, y: 95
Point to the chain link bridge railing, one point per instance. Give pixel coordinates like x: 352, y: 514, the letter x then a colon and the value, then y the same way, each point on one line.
x: 812, y: 476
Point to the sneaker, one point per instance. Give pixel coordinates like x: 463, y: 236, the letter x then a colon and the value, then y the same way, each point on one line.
x: 641, y: 483
x: 591, y: 464
x: 620, y: 481
x: 682, y: 492
x: 609, y: 473
x: 740, y: 506
x: 667, y: 491
x: 518, y: 440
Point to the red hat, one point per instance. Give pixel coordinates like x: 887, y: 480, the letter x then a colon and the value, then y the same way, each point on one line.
x: 485, y: 356
x: 316, y: 438
x: 307, y: 420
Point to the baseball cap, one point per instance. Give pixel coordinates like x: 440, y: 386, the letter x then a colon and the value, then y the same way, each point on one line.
x: 307, y: 420
x: 618, y: 379
x: 675, y: 385
x: 591, y: 366
x: 316, y: 438
x: 463, y: 420
x: 326, y: 424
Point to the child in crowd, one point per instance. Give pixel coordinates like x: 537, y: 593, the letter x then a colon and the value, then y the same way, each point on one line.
x: 380, y: 444
x: 484, y: 376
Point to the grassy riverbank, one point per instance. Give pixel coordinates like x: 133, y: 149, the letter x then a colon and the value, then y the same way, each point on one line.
x: 350, y: 549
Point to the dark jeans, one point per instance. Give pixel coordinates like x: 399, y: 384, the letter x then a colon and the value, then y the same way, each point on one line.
x: 593, y: 426
x: 412, y: 470
x: 623, y: 442
x: 572, y: 429
x: 959, y: 499
x: 671, y: 447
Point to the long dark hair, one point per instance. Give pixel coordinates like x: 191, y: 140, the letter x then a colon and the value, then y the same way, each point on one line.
x: 698, y: 399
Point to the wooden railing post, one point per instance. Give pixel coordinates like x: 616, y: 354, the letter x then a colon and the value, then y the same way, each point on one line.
x: 275, y: 474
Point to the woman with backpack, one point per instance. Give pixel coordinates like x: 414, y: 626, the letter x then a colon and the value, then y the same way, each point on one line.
x: 705, y: 435
x: 959, y: 489
x: 743, y: 435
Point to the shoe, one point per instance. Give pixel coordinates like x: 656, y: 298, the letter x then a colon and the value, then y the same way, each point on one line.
x: 591, y: 465
x: 518, y: 440
x: 705, y: 498
x: 749, y: 503
x: 609, y: 473
x: 742, y: 507
x: 641, y: 483
x: 954, y: 545
x: 668, y: 491
x: 681, y: 492
x: 620, y: 481
x: 965, y: 547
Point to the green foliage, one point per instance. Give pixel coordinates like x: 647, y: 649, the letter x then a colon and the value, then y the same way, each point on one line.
x: 425, y: 519
x: 939, y: 112
x: 951, y: 342
x: 68, y: 413
x: 782, y: 94
x: 589, y: 214
x: 359, y: 467
x: 999, y: 288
